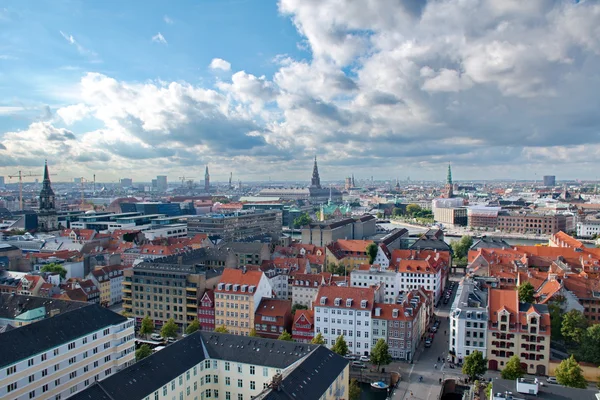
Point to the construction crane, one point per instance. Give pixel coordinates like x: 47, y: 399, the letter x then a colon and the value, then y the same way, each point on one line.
x: 22, y: 175
x: 82, y: 181
x: 182, y: 179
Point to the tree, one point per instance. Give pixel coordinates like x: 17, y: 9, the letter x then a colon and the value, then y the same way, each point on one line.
x: 253, y: 333
x: 297, y: 307
x: 143, y: 352
x: 169, y: 329
x: 397, y: 212
x: 569, y: 373
x: 354, y: 390
x: 589, y: 349
x: 221, y: 329
x: 380, y: 354
x: 286, y: 336
x: 302, y: 220
x: 462, y: 246
x: 526, y: 292
x: 318, y: 339
x: 54, y: 268
x: 379, y: 215
x: 372, y: 252
x: 573, y: 326
x: 474, y: 365
x: 336, y: 269
x: 147, y: 326
x: 412, y: 209
x: 340, y: 346
x: 192, y: 327
x: 513, y: 369
x: 556, y: 318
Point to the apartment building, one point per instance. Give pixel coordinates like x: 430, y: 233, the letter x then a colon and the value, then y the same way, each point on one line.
x: 349, y: 253
x: 209, y: 365
x: 323, y: 233
x: 248, y: 253
x: 237, y: 226
x: 303, y: 327
x: 206, y: 311
x: 517, y: 328
x: 531, y: 223
x: 306, y: 286
x: 468, y: 320
x: 164, y: 290
x: 368, y: 275
x: 20, y: 310
x: 109, y: 281
x: 273, y: 317
x: 347, y: 311
x: 588, y: 228
x: 61, y: 355
x: 237, y: 298
x: 429, y: 273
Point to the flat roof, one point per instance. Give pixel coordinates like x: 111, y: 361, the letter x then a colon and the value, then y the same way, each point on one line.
x: 151, y: 216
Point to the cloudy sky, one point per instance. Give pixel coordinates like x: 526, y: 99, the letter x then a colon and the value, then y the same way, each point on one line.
x: 499, y: 89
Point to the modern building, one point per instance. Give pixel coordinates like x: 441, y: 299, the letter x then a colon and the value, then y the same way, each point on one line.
x: 126, y: 182
x: 449, y: 211
x: 168, y: 288
x: 346, y: 311
x: 208, y: 365
x: 531, y: 223
x: 517, y: 328
x: 323, y: 233
x: 549, y: 180
x: 369, y: 275
x: 60, y: 355
x: 47, y: 216
x: 237, y: 226
x: 156, y: 207
x: 161, y: 183
x: 273, y: 317
x: 588, y: 228
x: 468, y: 320
x: 237, y: 297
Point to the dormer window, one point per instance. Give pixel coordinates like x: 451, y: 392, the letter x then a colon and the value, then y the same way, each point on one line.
x: 251, y: 290
x: 244, y: 287
x: 363, y: 304
x: 323, y: 300
x: 395, y: 313
x: 348, y: 302
x: 236, y: 287
x: 337, y: 302
x: 228, y: 287
x: 221, y: 285
x: 316, y: 283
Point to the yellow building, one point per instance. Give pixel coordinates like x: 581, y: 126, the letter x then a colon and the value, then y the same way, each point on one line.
x: 349, y: 253
x: 237, y: 297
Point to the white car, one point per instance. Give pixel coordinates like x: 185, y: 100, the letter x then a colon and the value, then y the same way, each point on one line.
x: 552, y: 379
x: 365, y: 358
x: 156, y: 336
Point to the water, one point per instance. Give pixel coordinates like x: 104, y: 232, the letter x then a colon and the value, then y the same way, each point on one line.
x: 367, y: 393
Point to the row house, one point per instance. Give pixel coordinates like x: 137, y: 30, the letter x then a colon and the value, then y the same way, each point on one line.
x: 303, y: 327
x: 280, y: 272
x: 346, y: 311
x: 306, y: 286
x: 206, y: 311
x: 517, y: 328
x: 468, y: 320
x: 273, y: 317
x: 368, y: 275
x: 237, y: 298
x: 110, y: 282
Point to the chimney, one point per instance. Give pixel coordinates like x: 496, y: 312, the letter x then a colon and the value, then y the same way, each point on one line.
x: 276, y: 382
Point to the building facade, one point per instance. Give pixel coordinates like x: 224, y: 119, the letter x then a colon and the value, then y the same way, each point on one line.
x: 237, y: 226
x: 206, y: 311
x: 323, y: 233
x: 468, y: 321
x: 530, y: 223
x: 369, y: 275
x: 305, y: 288
x: 303, y: 327
x: 272, y: 318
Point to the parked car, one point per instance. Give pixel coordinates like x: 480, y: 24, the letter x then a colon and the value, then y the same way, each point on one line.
x: 552, y: 379
x: 171, y: 340
x: 156, y: 336
x: 365, y: 358
x: 358, y: 364
x: 429, y: 340
x: 350, y: 357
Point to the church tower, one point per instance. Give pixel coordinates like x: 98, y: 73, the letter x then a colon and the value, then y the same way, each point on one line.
x: 315, y: 182
x: 449, y: 187
x: 206, y: 180
x: 47, y: 218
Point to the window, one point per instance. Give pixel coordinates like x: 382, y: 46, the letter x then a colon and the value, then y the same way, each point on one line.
x: 44, y: 372
x: 32, y: 394
x: 239, y: 368
x: 216, y: 378
x: 31, y: 378
x: 72, y: 360
x: 240, y: 383
x: 73, y: 375
x: 227, y: 366
x: 252, y: 385
x: 57, y: 382
x: 30, y: 362
x: 252, y: 370
x: 265, y: 371
x: 43, y: 357
x: 45, y: 388
x: 71, y: 345
x: 227, y: 395
x: 56, y: 352
x: 227, y: 381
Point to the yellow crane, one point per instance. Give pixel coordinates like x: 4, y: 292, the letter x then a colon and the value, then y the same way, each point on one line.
x: 22, y: 175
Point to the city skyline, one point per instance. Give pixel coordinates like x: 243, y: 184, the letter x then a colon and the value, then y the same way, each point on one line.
x: 503, y: 91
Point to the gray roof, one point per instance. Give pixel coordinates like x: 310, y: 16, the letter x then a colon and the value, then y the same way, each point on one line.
x: 12, y: 305
x: 241, y: 247
x: 48, y: 333
x: 7, y: 247
x: 489, y: 242
x: 150, y: 374
x: 548, y: 391
x: 425, y: 243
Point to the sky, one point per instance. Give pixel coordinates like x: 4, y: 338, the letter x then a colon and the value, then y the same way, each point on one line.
x: 498, y: 89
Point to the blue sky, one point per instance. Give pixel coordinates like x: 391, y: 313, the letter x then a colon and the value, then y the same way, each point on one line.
x: 258, y: 87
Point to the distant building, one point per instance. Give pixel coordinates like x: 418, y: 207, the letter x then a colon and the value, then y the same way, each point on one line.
x: 157, y: 207
x: 588, y: 228
x: 449, y: 211
x: 323, y: 233
x: 549, y: 180
x: 47, y: 216
x: 2, y: 181
x: 161, y: 183
x: 482, y: 217
x: 531, y: 223
x: 206, y: 311
x: 237, y: 226
x: 207, y: 181
x: 126, y: 182
x: 449, y: 187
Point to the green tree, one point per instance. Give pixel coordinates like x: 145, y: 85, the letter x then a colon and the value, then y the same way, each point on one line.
x: 340, y: 346
x: 192, y: 327
x: 336, y: 269
x: 372, y: 252
x: 526, y: 292
x: 379, y: 215
x: 569, y: 373
x: 221, y: 329
x: 589, y: 349
x: 286, y: 336
x: 142, y: 352
x: 297, y: 307
x: 412, y: 209
x: 380, y: 354
x: 147, y: 326
x: 397, y: 212
x: 354, y: 390
x: 461, y: 247
x: 253, y: 333
x: 318, y: 339
x: 573, y: 326
x: 556, y: 318
x: 513, y: 369
x: 302, y: 220
x: 474, y: 365
x: 54, y: 268
x: 169, y: 329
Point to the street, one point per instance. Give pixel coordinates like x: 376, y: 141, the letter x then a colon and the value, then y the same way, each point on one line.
x: 426, y: 363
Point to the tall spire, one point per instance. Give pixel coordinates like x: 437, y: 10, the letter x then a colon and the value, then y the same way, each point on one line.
x: 206, y: 180
x: 449, y: 177
x: 315, y: 180
x: 46, y: 174
x: 46, y: 194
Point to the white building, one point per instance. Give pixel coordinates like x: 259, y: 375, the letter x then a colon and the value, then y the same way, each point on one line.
x: 166, y: 231
x: 468, y: 321
x: 61, y: 355
x: 426, y: 273
x: 208, y: 365
x: 588, y: 228
x: 369, y: 275
x: 382, y: 258
x: 346, y: 311
x: 305, y: 288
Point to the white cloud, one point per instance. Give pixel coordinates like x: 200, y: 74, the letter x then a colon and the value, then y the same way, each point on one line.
x: 168, y: 20
x: 159, y: 38
x: 219, y: 63
x: 91, y: 55
x: 73, y: 113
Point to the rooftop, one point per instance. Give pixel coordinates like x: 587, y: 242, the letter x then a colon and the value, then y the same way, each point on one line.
x: 12, y: 305
x: 507, y: 389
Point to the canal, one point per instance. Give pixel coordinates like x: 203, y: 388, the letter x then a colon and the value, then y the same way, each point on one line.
x: 368, y: 393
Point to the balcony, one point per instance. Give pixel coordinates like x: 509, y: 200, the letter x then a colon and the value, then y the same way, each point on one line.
x: 192, y: 313
x: 126, y: 289
x: 193, y: 305
x: 190, y: 288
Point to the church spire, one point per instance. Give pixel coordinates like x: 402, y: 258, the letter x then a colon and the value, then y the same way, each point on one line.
x: 206, y: 180
x: 46, y: 194
x: 315, y: 180
x: 449, y: 177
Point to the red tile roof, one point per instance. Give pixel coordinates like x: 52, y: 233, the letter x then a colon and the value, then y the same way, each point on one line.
x: 564, y: 240
x: 237, y: 276
x: 273, y: 308
x: 344, y: 293
x: 357, y: 246
x: 307, y: 315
